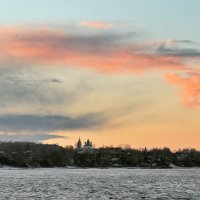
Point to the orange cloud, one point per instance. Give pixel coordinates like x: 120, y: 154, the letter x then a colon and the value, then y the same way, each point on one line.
x: 96, y: 24
x: 190, y: 87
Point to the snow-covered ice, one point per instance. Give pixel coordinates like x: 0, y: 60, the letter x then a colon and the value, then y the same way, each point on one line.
x: 95, y: 184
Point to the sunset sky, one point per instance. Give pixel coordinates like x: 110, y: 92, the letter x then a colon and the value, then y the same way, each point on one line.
x: 115, y: 71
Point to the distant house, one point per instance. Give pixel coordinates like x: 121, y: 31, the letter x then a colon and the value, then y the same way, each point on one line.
x: 182, y: 156
x: 3, y: 153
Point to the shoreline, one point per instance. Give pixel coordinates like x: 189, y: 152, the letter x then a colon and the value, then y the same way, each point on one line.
x: 76, y: 167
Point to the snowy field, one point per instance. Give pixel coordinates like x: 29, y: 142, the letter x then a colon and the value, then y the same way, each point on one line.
x: 100, y: 184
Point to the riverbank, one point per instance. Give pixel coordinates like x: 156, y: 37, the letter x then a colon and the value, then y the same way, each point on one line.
x: 5, y: 167
x: 33, y: 155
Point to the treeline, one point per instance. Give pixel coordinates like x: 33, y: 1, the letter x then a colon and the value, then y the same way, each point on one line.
x: 24, y: 154
x: 153, y: 158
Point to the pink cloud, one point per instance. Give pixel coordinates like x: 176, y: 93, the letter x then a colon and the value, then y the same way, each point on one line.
x: 189, y: 86
x: 96, y: 24
x: 106, y: 54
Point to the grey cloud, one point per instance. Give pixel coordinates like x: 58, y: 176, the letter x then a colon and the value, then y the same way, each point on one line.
x: 178, y: 52
x: 50, y: 123
x: 38, y: 87
x: 92, y: 43
x: 54, y: 80
x: 190, y: 42
x: 3, y: 105
x: 27, y: 137
x: 15, y: 79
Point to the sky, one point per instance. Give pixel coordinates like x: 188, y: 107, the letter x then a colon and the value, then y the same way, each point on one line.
x: 117, y: 72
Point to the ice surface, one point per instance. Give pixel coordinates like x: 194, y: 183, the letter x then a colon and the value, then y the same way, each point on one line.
x: 95, y: 184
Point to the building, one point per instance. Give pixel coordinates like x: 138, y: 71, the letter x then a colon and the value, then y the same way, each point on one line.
x: 86, y: 148
x: 79, y: 146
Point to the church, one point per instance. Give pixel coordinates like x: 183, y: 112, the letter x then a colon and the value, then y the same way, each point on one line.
x: 86, y: 148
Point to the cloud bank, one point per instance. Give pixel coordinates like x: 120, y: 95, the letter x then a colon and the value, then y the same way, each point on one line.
x: 107, y: 51
x: 103, y: 51
x: 49, y: 123
x: 10, y: 137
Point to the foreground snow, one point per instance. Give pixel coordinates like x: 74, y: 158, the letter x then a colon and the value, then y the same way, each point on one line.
x: 99, y: 183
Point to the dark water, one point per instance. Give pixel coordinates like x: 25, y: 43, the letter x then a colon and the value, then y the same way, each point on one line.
x: 100, y: 184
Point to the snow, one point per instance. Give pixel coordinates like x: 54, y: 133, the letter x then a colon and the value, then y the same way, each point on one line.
x: 117, y: 183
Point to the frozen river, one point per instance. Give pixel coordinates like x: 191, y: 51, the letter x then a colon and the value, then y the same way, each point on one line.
x: 100, y: 184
